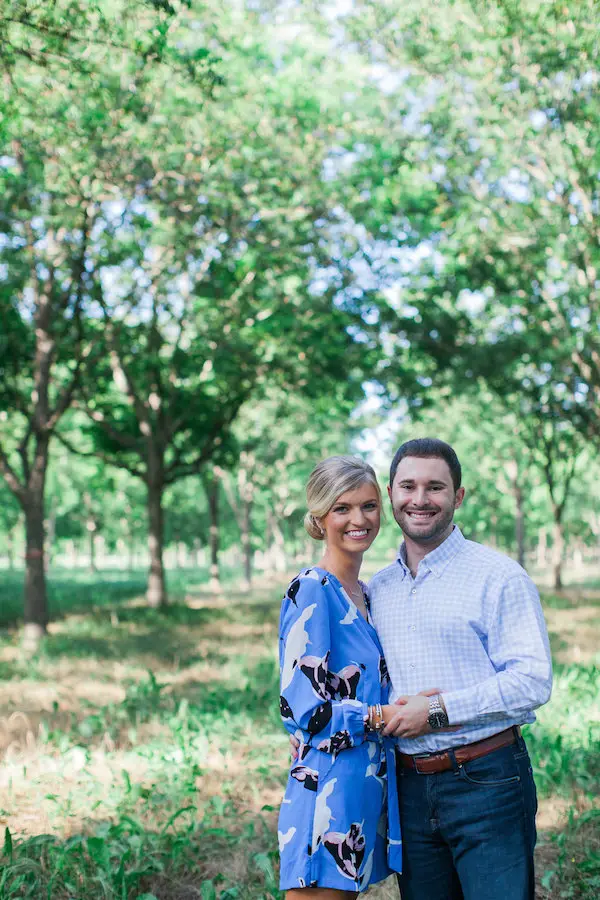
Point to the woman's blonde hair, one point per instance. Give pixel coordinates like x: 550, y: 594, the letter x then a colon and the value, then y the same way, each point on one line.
x: 329, y: 479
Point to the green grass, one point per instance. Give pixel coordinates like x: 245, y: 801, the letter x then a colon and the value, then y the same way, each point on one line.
x: 150, y: 760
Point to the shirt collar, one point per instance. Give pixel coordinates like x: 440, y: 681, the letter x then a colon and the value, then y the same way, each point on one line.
x: 438, y: 559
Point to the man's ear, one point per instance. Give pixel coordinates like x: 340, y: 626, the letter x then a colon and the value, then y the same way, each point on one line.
x: 389, y: 490
x: 459, y: 497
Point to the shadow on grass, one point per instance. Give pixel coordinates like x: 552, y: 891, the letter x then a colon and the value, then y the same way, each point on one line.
x: 78, y: 594
x: 134, y: 631
x: 121, y: 646
x: 172, y: 615
x: 130, y: 631
x: 257, y: 696
x: 572, y: 597
x: 10, y: 670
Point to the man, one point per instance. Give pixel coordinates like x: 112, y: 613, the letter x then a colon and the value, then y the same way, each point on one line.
x: 467, y: 650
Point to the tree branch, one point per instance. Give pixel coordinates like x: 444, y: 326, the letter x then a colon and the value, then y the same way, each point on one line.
x: 96, y: 454
x: 10, y: 477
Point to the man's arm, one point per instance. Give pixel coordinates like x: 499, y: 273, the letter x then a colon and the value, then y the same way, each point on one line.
x: 519, y: 650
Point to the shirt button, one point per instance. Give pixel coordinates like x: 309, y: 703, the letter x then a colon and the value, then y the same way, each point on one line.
x: 414, y: 591
x: 413, y: 627
x: 412, y: 666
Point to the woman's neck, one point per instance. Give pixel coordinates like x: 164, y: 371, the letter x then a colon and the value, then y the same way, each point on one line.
x: 345, y: 567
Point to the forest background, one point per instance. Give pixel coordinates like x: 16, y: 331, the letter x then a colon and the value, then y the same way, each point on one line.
x: 236, y: 238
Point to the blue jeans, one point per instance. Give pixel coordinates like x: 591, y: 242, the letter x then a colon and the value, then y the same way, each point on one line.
x: 469, y: 833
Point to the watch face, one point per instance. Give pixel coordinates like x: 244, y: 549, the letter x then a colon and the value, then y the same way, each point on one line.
x: 437, y: 720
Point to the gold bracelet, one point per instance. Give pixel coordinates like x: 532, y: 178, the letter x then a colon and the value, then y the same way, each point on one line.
x: 375, y: 721
x: 369, y: 722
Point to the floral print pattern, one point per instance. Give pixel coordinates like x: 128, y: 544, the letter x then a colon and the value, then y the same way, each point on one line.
x: 338, y: 823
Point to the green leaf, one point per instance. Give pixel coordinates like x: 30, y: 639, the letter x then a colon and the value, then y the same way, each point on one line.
x: 8, y: 843
x: 547, y: 878
x: 264, y: 865
x: 207, y: 890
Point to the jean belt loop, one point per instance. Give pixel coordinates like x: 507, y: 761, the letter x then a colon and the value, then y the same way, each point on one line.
x: 455, y: 764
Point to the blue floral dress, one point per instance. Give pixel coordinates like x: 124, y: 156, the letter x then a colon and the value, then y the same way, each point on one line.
x: 339, y: 825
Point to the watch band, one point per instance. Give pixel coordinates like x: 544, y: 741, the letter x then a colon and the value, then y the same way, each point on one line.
x: 438, y: 717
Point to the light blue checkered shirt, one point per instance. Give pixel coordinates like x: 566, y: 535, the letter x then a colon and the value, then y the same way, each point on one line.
x: 471, y: 624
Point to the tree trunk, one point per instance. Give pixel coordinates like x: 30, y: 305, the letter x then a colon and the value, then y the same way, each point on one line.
x: 558, y: 549
x: 156, y: 593
x: 50, y: 536
x: 279, y: 555
x: 520, y: 525
x: 197, y: 554
x: 494, y: 532
x: 578, y: 559
x: 247, y: 543
x: 36, y: 600
x: 91, y: 530
x: 212, y: 491
x: 542, y: 546
x: 10, y: 549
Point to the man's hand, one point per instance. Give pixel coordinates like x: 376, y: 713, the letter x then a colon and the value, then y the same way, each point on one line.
x: 294, y: 747
x: 411, y: 719
x: 403, y: 701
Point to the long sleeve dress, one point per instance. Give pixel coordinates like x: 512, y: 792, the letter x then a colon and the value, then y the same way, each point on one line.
x: 338, y: 824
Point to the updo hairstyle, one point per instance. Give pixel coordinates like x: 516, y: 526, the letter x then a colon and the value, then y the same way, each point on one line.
x: 331, y: 478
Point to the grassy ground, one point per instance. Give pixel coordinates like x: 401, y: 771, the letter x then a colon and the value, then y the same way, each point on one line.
x: 143, y: 756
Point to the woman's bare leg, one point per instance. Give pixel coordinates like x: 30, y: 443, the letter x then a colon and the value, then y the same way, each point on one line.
x: 319, y: 894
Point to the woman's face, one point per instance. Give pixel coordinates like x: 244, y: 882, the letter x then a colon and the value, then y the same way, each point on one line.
x: 352, y: 523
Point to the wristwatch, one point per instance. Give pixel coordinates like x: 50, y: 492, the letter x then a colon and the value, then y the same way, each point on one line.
x: 438, y: 717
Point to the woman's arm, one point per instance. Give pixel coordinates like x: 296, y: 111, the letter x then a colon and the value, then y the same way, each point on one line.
x: 319, y: 706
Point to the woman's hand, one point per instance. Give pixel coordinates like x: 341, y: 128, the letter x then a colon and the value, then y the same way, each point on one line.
x: 294, y: 747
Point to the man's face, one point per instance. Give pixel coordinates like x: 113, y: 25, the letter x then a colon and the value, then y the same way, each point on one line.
x: 423, y: 499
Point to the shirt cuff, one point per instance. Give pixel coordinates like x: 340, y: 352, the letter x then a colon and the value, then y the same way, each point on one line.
x: 461, y: 706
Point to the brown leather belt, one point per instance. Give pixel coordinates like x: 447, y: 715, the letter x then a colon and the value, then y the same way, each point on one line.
x: 441, y: 762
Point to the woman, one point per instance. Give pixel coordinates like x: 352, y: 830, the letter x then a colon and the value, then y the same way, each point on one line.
x: 339, y: 830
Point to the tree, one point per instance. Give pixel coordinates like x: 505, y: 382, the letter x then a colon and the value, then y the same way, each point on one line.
x: 224, y: 271
x: 281, y: 437
x: 72, y: 34
x: 504, y: 133
x: 556, y: 446
x: 65, y: 113
x: 41, y: 303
